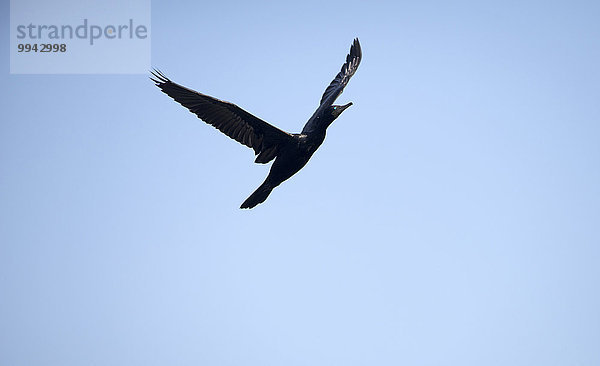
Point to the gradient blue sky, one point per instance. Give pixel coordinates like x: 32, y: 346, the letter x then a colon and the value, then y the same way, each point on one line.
x: 450, y: 218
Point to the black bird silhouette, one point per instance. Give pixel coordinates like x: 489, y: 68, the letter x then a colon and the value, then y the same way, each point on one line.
x: 290, y: 151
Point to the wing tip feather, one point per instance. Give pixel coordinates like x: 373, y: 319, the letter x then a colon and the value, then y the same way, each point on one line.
x: 158, y: 77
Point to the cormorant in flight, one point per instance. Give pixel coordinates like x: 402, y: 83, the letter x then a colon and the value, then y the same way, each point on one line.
x: 290, y: 151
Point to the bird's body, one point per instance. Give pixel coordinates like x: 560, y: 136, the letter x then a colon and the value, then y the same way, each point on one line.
x: 290, y: 151
x: 288, y: 162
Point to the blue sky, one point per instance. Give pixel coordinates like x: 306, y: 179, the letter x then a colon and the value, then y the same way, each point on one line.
x: 450, y: 217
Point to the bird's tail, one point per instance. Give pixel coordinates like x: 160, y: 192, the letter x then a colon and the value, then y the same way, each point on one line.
x: 259, y: 196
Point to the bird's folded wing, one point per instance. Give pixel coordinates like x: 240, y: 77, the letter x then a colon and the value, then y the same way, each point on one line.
x: 226, y: 117
x: 341, y: 79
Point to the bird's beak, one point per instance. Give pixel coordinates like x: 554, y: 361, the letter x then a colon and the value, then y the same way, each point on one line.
x: 346, y: 106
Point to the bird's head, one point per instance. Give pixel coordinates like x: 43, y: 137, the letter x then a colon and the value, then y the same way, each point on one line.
x: 336, y: 110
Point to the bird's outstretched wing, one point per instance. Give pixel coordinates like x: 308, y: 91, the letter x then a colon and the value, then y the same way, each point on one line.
x: 341, y: 79
x: 228, y: 118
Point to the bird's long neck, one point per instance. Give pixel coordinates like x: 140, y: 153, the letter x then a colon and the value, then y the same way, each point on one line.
x: 318, y: 122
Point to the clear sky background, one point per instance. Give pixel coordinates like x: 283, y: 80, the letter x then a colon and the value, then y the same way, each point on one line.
x: 450, y: 218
